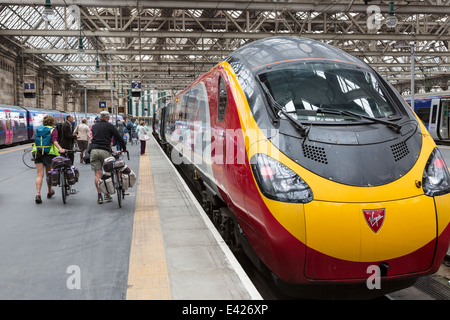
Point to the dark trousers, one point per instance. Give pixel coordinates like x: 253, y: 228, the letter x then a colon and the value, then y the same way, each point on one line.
x: 143, y: 143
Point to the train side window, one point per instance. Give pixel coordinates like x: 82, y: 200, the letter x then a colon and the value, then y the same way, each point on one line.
x: 434, y: 112
x: 222, y: 101
x: 424, y: 114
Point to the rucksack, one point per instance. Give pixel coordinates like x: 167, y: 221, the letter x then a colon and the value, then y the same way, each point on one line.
x: 43, y: 139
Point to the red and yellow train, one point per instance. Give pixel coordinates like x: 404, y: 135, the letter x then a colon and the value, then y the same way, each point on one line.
x: 315, y: 165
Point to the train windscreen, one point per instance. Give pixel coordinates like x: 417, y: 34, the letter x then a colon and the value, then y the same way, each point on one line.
x: 302, y: 89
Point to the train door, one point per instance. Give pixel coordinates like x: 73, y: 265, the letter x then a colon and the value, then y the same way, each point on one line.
x: 439, y: 119
x: 9, y: 127
x: 444, y: 123
x: 2, y: 127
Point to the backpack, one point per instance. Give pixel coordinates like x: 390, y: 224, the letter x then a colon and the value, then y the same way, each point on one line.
x: 43, y: 139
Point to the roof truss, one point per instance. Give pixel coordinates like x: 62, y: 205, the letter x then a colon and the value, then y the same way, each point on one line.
x: 161, y: 42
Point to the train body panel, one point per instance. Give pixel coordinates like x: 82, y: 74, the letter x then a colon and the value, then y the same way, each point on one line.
x: 433, y: 109
x: 325, y: 212
x: 13, y: 122
x: 18, y: 124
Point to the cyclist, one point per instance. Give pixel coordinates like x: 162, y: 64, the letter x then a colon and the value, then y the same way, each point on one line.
x: 100, y: 148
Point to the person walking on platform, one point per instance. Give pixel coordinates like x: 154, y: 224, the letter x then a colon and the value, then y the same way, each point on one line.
x: 83, y: 134
x: 142, y: 134
x: 129, y: 129
x: 100, y: 148
x: 67, y: 136
x: 45, y: 148
x: 121, y: 128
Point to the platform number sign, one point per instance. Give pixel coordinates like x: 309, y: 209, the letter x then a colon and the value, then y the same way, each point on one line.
x: 102, y: 104
x: 28, y: 86
x: 29, y: 90
x: 136, y: 85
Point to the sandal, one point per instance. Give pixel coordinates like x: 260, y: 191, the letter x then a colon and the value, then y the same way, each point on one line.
x: 50, y: 194
x: 38, y: 199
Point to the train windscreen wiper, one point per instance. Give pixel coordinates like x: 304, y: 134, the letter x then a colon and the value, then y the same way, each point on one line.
x: 354, y: 115
x: 277, y: 108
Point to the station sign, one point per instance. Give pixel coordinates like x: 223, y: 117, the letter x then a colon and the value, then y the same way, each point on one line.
x: 29, y: 90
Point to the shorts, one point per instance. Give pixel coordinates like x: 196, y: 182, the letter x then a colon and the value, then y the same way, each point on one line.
x: 97, y: 158
x: 45, y: 159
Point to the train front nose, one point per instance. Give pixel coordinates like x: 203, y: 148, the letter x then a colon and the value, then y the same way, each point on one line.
x: 344, y: 239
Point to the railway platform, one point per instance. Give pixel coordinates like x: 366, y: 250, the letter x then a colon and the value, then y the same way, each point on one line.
x: 159, y: 246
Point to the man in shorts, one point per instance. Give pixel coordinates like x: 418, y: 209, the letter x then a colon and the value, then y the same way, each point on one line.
x: 100, y: 149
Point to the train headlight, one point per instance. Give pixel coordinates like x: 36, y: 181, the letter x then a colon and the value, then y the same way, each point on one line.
x: 436, y: 178
x: 278, y: 182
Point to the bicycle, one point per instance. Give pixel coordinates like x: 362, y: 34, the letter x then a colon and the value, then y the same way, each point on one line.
x: 117, y: 177
x: 28, y: 158
x: 63, y: 179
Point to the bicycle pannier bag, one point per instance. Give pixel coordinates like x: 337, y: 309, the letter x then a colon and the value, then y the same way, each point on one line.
x: 72, y: 175
x: 59, y: 162
x: 106, y: 184
x: 108, y: 164
x: 119, y: 163
x: 128, y: 177
x: 53, y: 177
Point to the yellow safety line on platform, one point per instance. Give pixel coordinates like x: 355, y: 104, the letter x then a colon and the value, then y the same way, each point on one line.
x: 148, y: 278
x: 15, y: 149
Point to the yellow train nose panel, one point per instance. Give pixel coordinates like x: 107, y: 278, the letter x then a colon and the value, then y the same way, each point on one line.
x: 365, y: 232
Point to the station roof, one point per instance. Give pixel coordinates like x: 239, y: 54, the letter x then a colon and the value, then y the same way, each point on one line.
x: 166, y: 44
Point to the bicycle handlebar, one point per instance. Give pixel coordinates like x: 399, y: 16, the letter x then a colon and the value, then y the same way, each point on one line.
x: 121, y: 152
x: 70, y: 151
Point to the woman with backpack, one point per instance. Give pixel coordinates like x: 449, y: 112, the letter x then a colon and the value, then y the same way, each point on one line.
x: 45, y: 148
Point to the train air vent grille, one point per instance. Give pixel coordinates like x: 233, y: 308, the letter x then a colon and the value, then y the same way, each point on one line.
x: 315, y: 153
x: 399, y: 150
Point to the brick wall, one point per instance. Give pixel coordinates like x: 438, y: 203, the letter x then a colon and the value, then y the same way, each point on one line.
x: 53, y: 90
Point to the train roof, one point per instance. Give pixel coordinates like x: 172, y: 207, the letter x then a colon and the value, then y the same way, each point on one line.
x: 278, y: 49
x: 429, y: 95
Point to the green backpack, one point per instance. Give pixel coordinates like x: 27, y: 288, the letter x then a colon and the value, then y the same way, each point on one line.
x: 43, y: 139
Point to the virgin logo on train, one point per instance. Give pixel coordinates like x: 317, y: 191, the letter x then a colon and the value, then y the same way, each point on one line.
x: 374, y: 218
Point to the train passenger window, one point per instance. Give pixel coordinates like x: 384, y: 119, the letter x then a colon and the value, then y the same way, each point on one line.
x: 222, y: 101
x: 424, y: 114
x: 434, y: 113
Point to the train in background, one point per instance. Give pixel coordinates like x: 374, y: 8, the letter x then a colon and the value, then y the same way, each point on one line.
x: 18, y: 124
x: 312, y: 163
x: 433, y: 109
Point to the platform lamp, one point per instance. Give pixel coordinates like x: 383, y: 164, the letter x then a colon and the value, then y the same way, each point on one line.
x: 80, y: 50
x: 97, y: 63
x: 48, y: 14
x: 97, y: 66
x: 392, y: 20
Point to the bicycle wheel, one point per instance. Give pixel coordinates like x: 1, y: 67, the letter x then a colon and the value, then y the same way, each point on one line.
x: 28, y: 159
x: 118, y: 187
x: 62, y: 182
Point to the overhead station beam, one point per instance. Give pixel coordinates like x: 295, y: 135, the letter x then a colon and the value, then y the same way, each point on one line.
x: 294, y: 5
x: 226, y: 35
x: 216, y: 52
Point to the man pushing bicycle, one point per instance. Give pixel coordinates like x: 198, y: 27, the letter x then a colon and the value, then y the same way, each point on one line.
x: 100, y: 148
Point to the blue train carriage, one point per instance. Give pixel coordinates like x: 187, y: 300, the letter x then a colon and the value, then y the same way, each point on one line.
x: 13, y: 125
x: 35, y: 116
x: 433, y: 109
